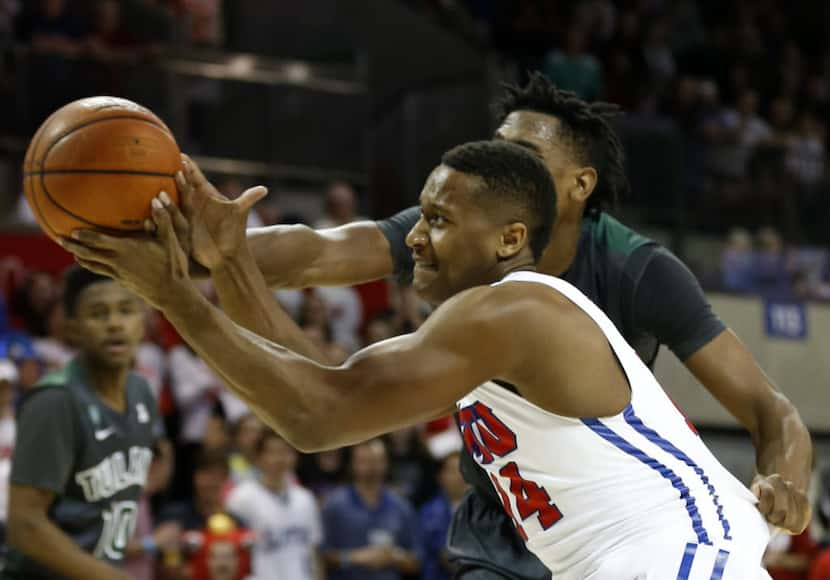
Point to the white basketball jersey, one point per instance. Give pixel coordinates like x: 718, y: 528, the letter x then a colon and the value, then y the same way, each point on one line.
x: 595, y: 495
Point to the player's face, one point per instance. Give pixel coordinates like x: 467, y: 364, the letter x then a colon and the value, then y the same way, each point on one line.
x: 454, y: 243
x: 277, y: 458
x: 540, y: 133
x: 109, y: 324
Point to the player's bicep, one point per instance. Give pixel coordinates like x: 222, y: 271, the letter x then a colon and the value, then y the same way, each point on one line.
x: 670, y: 305
x: 416, y: 377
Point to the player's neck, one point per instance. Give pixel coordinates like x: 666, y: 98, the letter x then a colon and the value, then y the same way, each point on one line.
x: 109, y: 384
x: 561, y: 251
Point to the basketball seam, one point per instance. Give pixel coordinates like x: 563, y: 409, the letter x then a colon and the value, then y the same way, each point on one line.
x: 77, y: 217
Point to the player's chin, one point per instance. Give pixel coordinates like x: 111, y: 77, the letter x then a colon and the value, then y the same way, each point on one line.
x: 109, y: 357
x: 426, y: 286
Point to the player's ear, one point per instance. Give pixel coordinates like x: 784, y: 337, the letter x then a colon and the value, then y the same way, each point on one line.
x: 583, y: 182
x: 514, y: 237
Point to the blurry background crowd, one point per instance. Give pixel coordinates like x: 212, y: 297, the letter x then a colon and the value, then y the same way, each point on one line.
x: 342, y: 109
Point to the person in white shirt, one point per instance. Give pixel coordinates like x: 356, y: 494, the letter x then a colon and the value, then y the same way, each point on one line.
x: 283, y: 515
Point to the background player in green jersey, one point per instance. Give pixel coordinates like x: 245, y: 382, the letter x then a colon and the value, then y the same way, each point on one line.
x: 85, y: 442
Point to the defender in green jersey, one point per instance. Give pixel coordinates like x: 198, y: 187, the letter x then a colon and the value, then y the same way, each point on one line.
x: 85, y: 443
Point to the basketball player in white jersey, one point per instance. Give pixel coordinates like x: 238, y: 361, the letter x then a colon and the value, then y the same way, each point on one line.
x: 599, y: 471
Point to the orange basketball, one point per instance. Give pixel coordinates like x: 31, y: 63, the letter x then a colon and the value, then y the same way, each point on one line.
x: 97, y: 163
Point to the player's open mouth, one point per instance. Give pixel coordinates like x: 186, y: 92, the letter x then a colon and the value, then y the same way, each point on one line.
x: 419, y: 265
x: 116, y: 346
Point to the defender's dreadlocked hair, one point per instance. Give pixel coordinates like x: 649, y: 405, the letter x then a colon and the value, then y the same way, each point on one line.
x: 587, y: 127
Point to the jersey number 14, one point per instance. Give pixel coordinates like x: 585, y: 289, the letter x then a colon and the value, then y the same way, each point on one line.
x: 491, y: 437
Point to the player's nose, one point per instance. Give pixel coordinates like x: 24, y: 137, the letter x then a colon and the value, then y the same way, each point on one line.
x: 417, y: 237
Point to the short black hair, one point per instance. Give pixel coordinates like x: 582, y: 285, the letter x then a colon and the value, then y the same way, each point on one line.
x: 75, y: 281
x: 587, y: 127
x: 515, y: 175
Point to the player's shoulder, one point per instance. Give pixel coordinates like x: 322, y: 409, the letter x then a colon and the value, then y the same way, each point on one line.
x: 606, y: 230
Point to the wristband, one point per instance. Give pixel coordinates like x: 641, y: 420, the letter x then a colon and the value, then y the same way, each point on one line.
x: 148, y: 544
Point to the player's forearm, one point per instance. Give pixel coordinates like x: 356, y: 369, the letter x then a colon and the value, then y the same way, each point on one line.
x: 41, y: 540
x: 285, y: 389
x: 298, y: 256
x: 783, y: 444
x: 245, y: 297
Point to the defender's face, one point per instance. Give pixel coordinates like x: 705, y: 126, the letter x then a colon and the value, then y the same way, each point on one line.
x: 454, y: 242
x: 541, y: 133
x: 109, y: 324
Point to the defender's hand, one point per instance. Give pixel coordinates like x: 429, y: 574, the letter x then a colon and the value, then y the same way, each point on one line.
x: 216, y: 229
x: 781, y: 503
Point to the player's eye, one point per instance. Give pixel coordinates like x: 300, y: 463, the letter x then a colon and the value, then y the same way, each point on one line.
x: 437, y: 221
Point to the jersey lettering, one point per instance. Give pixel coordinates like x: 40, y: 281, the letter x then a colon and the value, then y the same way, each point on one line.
x: 484, y: 434
x: 113, y: 475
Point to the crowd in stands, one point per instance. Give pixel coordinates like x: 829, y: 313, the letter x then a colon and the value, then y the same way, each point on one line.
x: 743, y: 84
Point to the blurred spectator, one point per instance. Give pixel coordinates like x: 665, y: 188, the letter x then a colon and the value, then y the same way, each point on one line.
x: 223, y: 561
x: 8, y: 382
x: 196, y: 390
x: 411, y: 467
x: 109, y: 38
x: 221, y: 551
x: 370, y: 532
x: 741, y: 129
x: 344, y: 312
x: 807, y: 157
x: 283, y: 515
x: 50, y: 26
x: 788, y: 557
x: 205, y: 23
x: 575, y: 69
x: 774, y: 279
x: 150, y: 359
x: 8, y: 12
x: 435, y: 517
x: 323, y: 472
x: 738, y: 263
x: 209, y: 479
x: 52, y: 349
x: 657, y: 54
x: 340, y: 206
x: 247, y: 432
x: 33, y: 301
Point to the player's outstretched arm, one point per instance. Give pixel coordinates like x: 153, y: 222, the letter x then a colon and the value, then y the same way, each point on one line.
x: 670, y: 304
x: 384, y: 387
x: 389, y: 385
x: 288, y: 256
x: 32, y: 533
